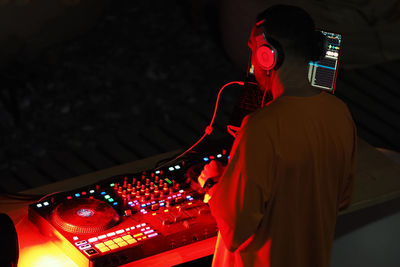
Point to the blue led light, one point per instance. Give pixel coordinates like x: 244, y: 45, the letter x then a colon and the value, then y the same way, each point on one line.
x: 115, y: 203
x: 143, y: 205
x: 77, y: 195
x: 206, y: 159
x: 103, y: 193
x: 188, y: 197
x: 130, y: 203
x: 162, y: 204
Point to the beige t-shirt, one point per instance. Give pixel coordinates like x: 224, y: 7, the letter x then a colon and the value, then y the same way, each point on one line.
x: 291, y: 169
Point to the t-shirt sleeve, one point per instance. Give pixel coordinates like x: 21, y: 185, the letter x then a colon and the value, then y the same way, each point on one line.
x: 240, y: 197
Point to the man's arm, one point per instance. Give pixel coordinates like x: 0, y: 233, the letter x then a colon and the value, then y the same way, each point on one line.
x: 238, y: 200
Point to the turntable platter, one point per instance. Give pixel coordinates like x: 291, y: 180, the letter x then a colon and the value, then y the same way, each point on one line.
x: 84, y: 216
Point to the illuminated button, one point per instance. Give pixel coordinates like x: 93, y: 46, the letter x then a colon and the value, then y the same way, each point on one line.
x: 171, y: 169
x: 80, y: 242
x: 111, y: 234
x: 149, y: 232
x: 110, y: 199
x: 91, y: 191
x: 138, y: 226
x: 131, y: 241
x: 107, y: 196
x: 77, y: 195
x: 112, y: 185
x: 103, y: 193
x: 115, y: 203
x: 152, y: 235
x: 39, y: 205
x: 93, y: 239
x: 83, y: 193
x: 127, y: 229
x: 86, y: 246
x: 206, y: 159
x: 127, y: 237
x: 100, y: 245
x: 219, y: 156
x: 177, y: 167
x: 144, y: 237
x: 69, y: 197
x: 75, y: 238
x: 115, y: 246
x: 137, y: 235
x: 119, y: 239
x: 90, y: 251
x: 104, y: 249
x: 122, y: 244
x: 109, y: 242
x: 46, y: 203
x: 101, y: 236
x: 133, y: 227
x: 119, y: 231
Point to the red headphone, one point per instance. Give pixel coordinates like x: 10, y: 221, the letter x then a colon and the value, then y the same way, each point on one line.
x: 265, y: 53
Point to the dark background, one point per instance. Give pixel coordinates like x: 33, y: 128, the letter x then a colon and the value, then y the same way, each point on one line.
x: 136, y: 67
x: 108, y: 82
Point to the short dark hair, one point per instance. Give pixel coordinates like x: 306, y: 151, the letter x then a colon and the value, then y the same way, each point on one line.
x: 294, y: 25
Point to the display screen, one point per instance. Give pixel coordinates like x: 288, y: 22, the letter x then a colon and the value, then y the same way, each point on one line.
x: 322, y: 73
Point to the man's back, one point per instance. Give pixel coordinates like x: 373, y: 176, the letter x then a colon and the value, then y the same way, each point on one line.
x: 291, y: 169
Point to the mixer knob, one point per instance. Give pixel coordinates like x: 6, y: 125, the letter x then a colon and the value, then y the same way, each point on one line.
x: 147, y: 196
x: 171, y: 190
x: 120, y: 190
x: 156, y: 179
x: 97, y: 187
x: 116, y: 186
x: 133, y: 180
x: 133, y: 194
x: 147, y: 181
x: 142, y: 199
x: 165, y: 191
x: 177, y: 187
x: 156, y: 193
x: 124, y: 193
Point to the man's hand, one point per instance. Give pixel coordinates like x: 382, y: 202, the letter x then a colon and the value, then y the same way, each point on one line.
x: 212, y: 170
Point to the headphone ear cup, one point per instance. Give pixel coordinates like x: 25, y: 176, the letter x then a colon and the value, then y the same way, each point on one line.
x: 266, y: 57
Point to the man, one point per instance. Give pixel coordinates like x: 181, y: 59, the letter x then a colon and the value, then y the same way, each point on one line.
x: 292, y: 164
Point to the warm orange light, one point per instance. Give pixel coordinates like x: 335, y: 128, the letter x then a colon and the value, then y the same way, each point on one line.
x: 44, y: 255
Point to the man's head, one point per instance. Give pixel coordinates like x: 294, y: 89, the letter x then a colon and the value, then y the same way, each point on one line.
x: 289, y: 33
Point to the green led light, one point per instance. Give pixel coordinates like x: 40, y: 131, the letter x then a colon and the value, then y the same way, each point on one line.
x: 168, y: 180
x: 111, y: 200
x: 106, y: 196
x: 112, y: 185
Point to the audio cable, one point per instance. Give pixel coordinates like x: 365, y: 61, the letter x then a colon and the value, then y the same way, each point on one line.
x: 208, y: 129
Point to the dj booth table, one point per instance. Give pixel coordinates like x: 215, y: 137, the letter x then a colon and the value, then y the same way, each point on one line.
x: 377, y: 181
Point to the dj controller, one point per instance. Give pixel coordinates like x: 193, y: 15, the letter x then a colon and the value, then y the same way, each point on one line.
x: 129, y: 217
